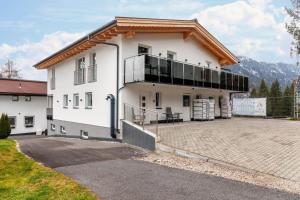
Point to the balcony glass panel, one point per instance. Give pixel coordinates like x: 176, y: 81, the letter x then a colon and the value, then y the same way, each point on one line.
x: 207, y: 78
x: 189, y: 75
x: 198, y: 76
x: 235, y: 82
x: 241, y: 83
x: 223, y: 80
x: 151, y: 68
x: 165, y: 71
x: 215, y: 79
x: 178, y: 73
x: 229, y: 78
x: 246, y: 84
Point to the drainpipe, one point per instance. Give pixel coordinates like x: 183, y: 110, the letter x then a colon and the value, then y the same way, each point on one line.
x: 112, y: 115
x: 116, y: 121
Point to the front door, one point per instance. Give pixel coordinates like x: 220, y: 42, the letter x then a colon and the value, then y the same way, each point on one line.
x: 143, y: 104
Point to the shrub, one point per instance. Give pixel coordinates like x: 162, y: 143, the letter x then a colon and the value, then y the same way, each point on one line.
x: 5, y: 129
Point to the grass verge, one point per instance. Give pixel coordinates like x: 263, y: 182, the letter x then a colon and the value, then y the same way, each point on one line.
x: 21, y: 178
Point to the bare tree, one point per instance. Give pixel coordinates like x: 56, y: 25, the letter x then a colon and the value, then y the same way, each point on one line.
x: 293, y: 28
x: 10, y: 71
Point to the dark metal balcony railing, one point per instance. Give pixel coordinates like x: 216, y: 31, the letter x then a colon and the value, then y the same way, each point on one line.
x: 92, y: 73
x: 155, y: 69
x: 79, y: 76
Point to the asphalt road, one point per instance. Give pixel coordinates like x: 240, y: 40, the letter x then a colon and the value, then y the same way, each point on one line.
x: 107, y: 169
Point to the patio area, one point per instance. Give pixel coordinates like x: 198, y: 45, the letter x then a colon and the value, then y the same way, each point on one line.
x: 266, y: 145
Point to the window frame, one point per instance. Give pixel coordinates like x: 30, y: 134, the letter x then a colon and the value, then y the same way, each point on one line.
x: 63, y: 130
x: 16, y: 98
x: 27, y: 98
x: 158, y: 103
x: 52, y: 127
x: 183, y: 100
x: 76, y: 95
x: 87, y: 102
x: 15, y: 120
x: 65, y: 101
x: 30, y: 125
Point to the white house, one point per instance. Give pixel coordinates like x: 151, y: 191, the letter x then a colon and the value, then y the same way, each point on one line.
x: 25, y: 103
x: 148, y: 63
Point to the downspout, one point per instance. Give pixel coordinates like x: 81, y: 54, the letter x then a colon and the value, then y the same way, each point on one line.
x: 116, y: 122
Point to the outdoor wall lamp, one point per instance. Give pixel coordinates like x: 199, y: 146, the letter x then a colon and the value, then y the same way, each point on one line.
x: 159, y: 54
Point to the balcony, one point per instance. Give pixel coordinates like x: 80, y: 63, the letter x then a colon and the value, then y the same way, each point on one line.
x: 79, y: 76
x: 153, y: 69
x: 92, y: 73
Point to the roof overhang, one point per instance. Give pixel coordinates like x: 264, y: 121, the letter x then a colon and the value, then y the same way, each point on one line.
x: 130, y: 26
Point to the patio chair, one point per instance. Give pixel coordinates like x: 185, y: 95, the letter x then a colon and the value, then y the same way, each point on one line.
x: 171, y: 116
x: 138, y: 119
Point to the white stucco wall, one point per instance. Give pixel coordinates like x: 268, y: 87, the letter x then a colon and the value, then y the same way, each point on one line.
x: 99, y: 115
x: 19, y: 109
x: 106, y: 76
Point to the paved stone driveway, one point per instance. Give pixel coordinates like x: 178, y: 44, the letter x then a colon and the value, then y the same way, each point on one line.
x: 267, y: 145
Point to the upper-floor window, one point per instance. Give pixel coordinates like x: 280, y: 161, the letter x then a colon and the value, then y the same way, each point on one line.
x: 76, y: 100
x: 80, y: 63
x: 52, y: 79
x: 65, y: 101
x: 29, y: 121
x: 88, y: 100
x: 79, y: 74
x: 144, y: 49
x: 171, y: 55
x: 92, y: 70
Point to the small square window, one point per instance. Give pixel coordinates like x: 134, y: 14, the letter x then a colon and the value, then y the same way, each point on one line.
x: 27, y: 98
x: 88, y: 100
x: 52, y: 127
x: 15, y: 98
x: 12, y: 122
x: 65, y: 101
x: 84, y: 134
x: 76, y: 100
x: 63, y: 130
x: 29, y: 121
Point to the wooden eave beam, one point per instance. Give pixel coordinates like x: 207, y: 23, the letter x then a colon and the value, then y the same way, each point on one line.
x: 129, y: 34
x: 187, y: 35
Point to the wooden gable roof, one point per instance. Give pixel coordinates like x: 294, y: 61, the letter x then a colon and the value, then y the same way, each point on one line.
x: 130, y: 26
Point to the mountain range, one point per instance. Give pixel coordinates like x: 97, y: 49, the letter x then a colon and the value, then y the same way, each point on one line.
x: 256, y: 71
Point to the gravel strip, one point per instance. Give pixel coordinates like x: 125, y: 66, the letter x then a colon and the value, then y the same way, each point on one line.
x: 259, y: 179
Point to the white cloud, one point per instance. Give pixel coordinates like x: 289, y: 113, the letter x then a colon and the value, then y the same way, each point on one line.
x: 254, y: 28
x: 27, y: 54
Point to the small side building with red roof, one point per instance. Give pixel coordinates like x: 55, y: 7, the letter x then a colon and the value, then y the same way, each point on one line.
x: 25, y: 103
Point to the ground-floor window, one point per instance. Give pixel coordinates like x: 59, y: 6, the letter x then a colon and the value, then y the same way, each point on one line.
x: 88, y: 100
x: 158, y: 100
x: 186, y: 100
x: 29, y: 121
x: 12, y: 122
x: 63, y: 130
x: 76, y: 101
x: 52, y: 127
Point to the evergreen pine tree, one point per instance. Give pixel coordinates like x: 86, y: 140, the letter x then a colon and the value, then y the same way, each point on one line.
x: 287, y: 101
x: 263, y: 89
x: 275, y: 99
x: 4, y: 126
x: 253, y: 93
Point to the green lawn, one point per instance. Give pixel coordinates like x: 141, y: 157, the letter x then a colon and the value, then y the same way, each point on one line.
x: 21, y: 178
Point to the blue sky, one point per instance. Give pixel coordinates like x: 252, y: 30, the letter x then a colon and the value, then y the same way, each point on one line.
x: 33, y: 29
